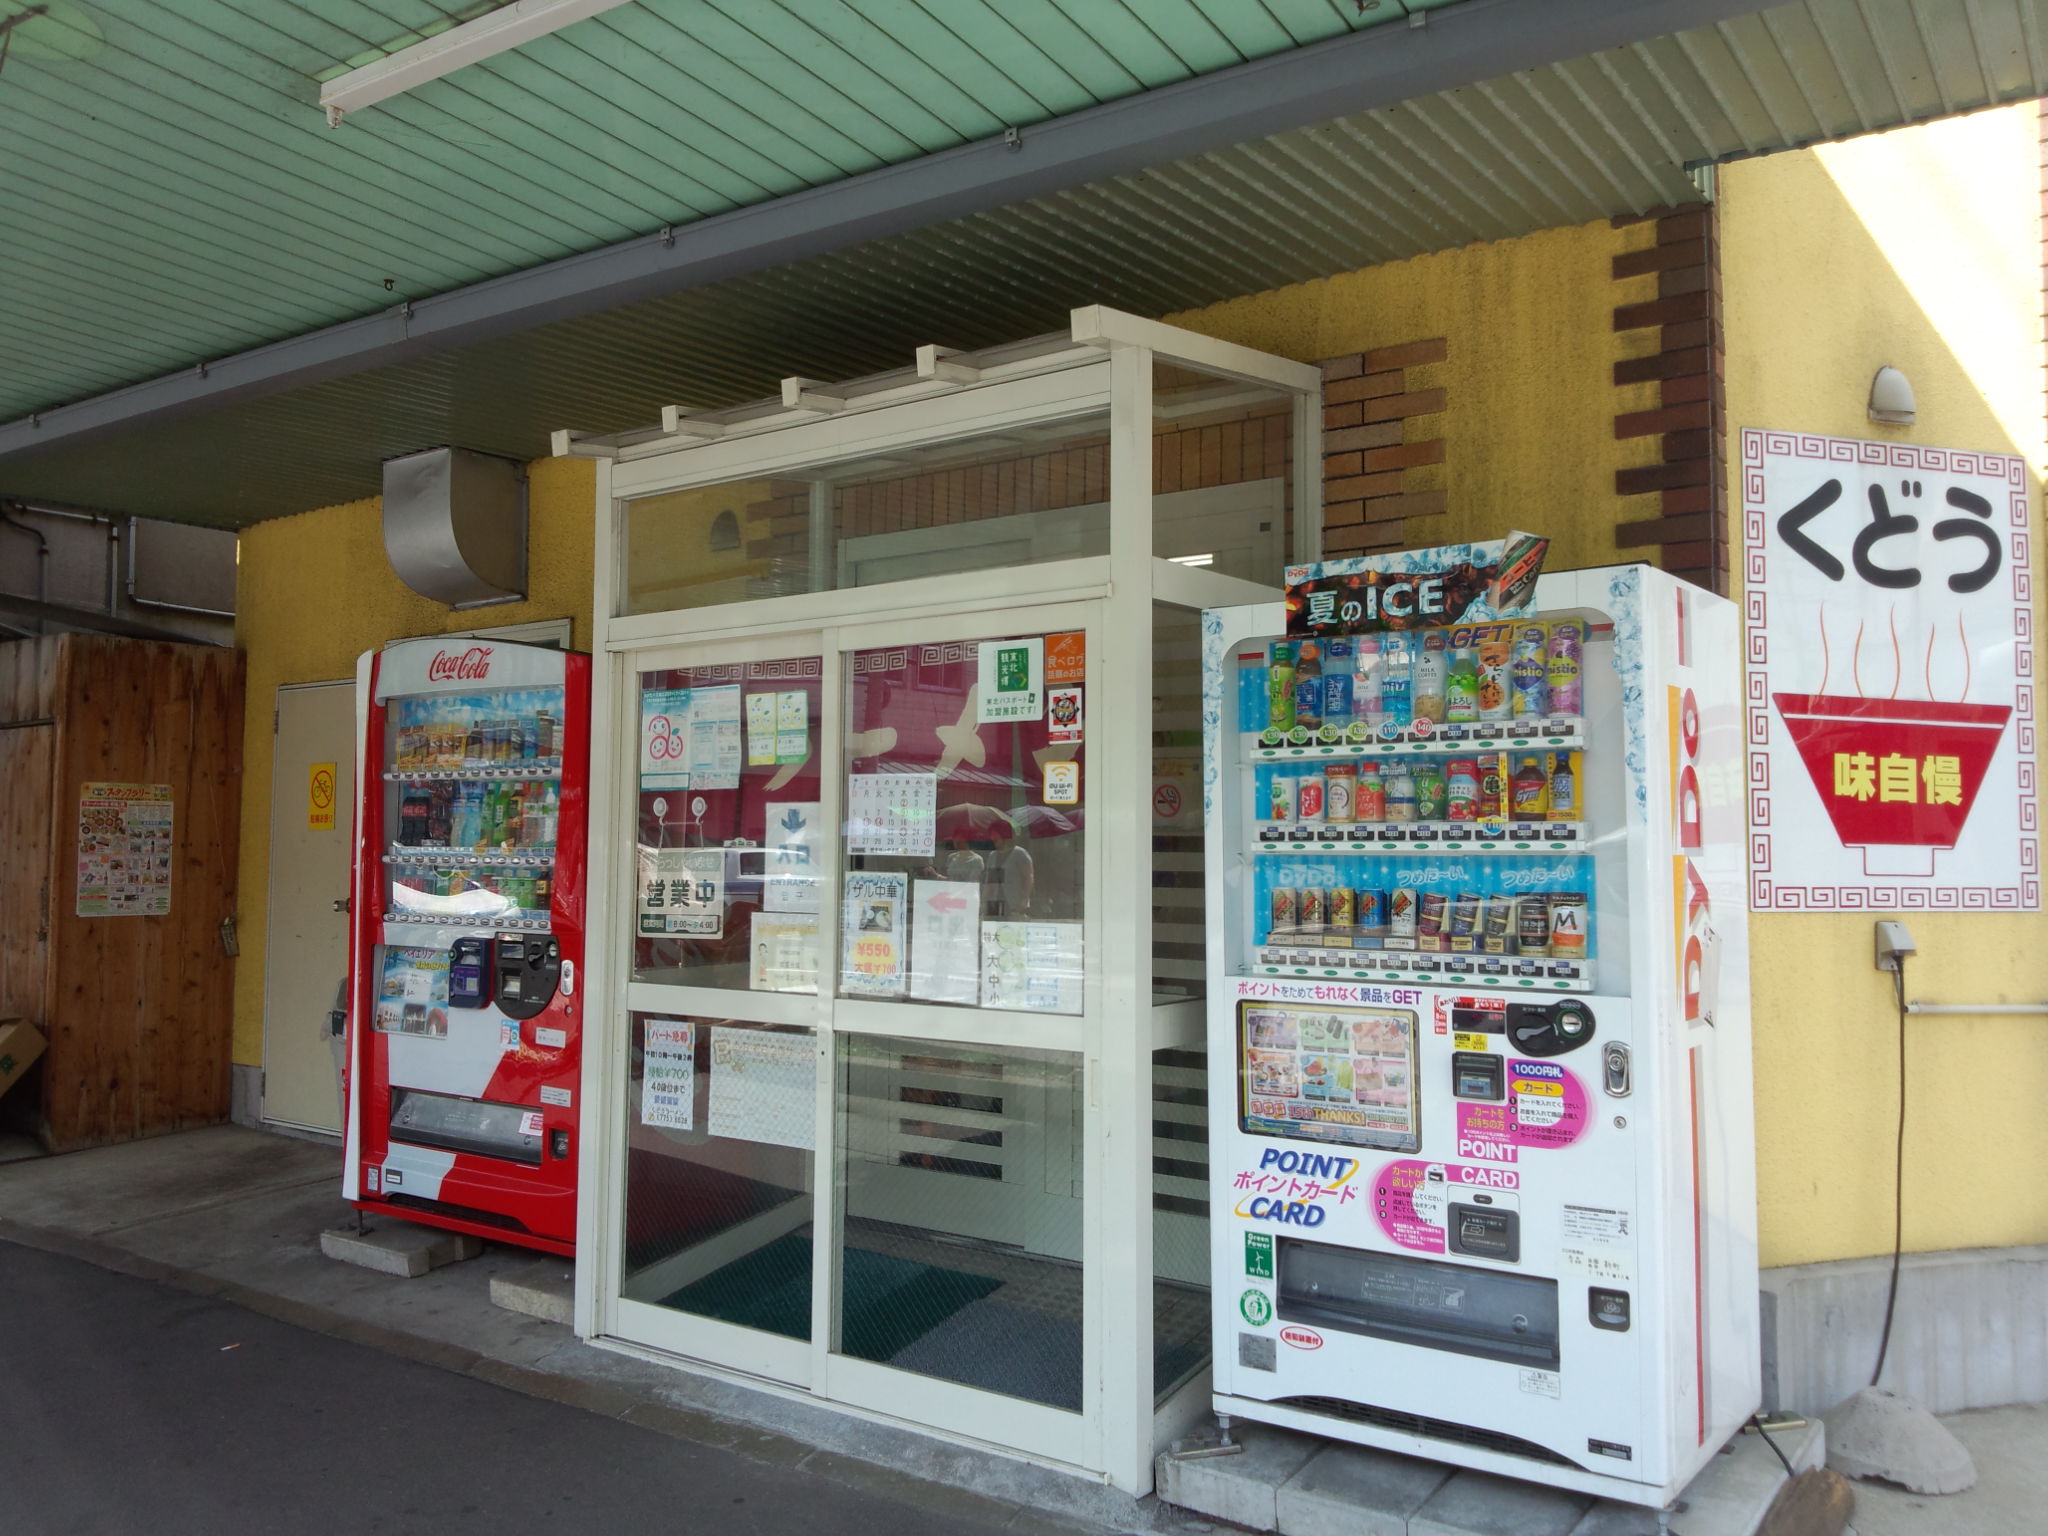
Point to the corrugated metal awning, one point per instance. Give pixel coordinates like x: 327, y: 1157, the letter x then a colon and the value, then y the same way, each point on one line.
x: 1612, y: 131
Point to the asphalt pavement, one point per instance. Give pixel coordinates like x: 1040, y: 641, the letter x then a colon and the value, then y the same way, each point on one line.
x: 126, y: 1406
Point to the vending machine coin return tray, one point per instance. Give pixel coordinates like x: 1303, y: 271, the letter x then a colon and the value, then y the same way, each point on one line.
x: 1452, y: 1307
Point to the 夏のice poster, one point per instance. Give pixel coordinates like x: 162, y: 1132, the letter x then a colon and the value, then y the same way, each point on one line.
x: 1891, y: 701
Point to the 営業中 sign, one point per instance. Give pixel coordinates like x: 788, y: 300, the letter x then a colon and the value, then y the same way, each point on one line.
x: 1889, y: 642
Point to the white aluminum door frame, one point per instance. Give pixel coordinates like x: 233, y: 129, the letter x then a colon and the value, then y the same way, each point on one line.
x: 751, y: 1351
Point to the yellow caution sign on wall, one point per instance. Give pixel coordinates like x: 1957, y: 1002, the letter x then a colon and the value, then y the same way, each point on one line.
x: 320, y: 797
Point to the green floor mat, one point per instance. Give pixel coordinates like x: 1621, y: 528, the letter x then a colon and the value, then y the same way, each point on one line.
x: 887, y: 1303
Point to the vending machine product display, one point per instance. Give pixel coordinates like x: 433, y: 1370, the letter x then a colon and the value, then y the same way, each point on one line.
x: 1484, y: 1185
x: 465, y: 1037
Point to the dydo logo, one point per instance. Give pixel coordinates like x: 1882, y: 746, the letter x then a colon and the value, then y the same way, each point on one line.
x: 467, y: 666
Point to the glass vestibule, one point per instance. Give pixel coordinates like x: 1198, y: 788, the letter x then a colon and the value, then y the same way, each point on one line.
x: 904, y: 896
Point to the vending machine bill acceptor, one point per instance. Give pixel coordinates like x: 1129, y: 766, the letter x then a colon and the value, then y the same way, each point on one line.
x: 1483, y: 1176
x: 465, y: 1025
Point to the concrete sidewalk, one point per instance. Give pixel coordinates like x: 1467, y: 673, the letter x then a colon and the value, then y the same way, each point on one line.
x: 237, y: 1215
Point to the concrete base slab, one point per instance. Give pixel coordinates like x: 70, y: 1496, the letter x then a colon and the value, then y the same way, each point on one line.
x: 1347, y: 1490
x: 1300, y: 1486
x: 1241, y: 1489
x: 1478, y: 1504
x: 545, y: 1289
x: 1877, y: 1433
x: 399, y: 1248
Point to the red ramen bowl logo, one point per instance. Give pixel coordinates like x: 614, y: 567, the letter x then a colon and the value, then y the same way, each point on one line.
x: 461, y: 667
x: 1898, y: 776
x: 1301, y: 1338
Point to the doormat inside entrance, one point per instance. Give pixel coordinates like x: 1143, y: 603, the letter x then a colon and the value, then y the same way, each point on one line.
x: 888, y: 1303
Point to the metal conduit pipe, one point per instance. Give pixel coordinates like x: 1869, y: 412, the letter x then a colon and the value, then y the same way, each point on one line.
x: 1977, y: 1007
x: 7, y: 511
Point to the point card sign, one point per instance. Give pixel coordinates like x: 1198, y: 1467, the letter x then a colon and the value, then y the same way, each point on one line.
x: 1415, y: 589
x: 1012, y: 678
x: 1891, y: 698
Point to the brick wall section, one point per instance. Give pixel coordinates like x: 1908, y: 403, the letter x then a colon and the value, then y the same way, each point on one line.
x: 1690, y: 522
x: 1368, y: 451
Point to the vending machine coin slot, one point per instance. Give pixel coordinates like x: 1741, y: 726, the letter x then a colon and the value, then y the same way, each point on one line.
x: 1484, y: 1234
x: 1476, y: 1075
x: 466, y: 974
x: 558, y: 1143
x: 524, y: 972
x: 1607, y: 1309
x: 1549, y: 1029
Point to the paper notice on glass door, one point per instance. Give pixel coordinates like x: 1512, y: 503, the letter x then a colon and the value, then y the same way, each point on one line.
x: 945, y: 942
x: 668, y: 1083
x: 715, y: 738
x: 760, y: 730
x: 665, y: 738
x: 1031, y: 967
x: 892, y: 813
x: 873, y: 930
x: 764, y: 1087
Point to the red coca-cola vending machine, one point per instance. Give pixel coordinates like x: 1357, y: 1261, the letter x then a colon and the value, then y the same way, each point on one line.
x: 465, y: 961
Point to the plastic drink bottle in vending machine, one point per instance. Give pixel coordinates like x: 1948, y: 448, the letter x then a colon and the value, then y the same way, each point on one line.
x: 1337, y: 679
x: 1565, y: 657
x: 1396, y: 683
x: 1529, y: 672
x: 1280, y: 688
x: 1308, y: 688
x: 1432, y: 676
x: 1461, y: 686
x: 1365, y: 688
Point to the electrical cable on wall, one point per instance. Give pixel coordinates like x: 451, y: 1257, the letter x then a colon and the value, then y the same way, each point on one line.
x: 1891, y: 1300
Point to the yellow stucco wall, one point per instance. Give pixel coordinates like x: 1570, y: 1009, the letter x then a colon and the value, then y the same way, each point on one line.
x: 1530, y: 401
x: 1920, y: 249
x: 313, y: 592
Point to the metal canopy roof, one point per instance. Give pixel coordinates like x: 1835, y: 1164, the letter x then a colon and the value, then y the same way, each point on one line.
x: 1585, y: 132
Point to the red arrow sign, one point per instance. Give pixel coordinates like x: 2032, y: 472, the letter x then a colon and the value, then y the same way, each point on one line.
x: 947, y: 903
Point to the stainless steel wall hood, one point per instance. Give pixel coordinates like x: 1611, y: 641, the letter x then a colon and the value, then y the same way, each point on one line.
x: 455, y: 525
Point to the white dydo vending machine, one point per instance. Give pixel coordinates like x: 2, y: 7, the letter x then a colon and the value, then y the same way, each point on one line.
x: 1480, y: 1116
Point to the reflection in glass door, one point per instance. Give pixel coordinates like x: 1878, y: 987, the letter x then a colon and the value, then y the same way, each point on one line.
x: 722, y: 1069
x: 964, y: 856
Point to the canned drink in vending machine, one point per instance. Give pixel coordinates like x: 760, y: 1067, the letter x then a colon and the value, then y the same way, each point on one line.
x: 1340, y: 793
x: 1343, y: 912
x: 1429, y: 920
x: 1464, y: 923
x: 1282, y: 800
x: 1497, y: 925
x: 1402, y: 907
x: 1308, y: 796
x: 1286, y: 912
x: 1461, y: 794
x: 1313, y: 909
x: 1372, y: 914
x: 1532, y: 925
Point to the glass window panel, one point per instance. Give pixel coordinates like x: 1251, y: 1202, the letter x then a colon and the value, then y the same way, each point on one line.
x: 1180, y: 1216
x: 960, y: 1208
x: 473, y: 798
x: 719, y: 1170
x: 725, y: 892
x: 964, y: 833
x: 1024, y: 495
x: 1222, y: 473
x: 1178, y: 952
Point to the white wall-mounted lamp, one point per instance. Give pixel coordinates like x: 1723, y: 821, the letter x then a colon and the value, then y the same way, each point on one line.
x: 1891, y: 398
x: 474, y: 41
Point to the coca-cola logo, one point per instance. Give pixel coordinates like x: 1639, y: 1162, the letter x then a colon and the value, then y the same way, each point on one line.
x: 461, y: 666
x: 1301, y: 1338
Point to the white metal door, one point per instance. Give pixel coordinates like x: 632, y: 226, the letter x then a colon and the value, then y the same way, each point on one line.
x: 306, y: 925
